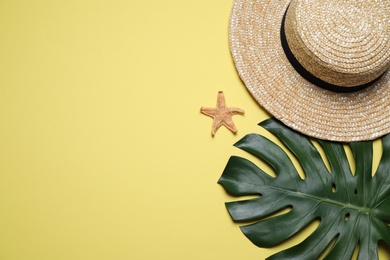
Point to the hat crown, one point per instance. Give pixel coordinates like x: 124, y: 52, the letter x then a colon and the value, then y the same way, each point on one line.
x: 342, y: 42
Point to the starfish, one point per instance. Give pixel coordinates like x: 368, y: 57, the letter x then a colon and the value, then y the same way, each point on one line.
x: 222, y: 114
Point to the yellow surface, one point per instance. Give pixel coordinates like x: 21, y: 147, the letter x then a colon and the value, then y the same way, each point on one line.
x: 103, y: 151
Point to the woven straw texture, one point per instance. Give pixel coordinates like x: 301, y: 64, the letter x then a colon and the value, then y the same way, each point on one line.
x: 254, y: 35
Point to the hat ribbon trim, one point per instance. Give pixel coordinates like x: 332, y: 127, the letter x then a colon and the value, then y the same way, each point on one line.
x: 310, y: 77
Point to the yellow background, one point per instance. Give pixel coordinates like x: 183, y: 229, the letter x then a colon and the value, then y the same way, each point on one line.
x: 103, y: 151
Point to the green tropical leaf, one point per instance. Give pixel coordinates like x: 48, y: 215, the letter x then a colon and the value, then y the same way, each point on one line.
x: 353, y: 209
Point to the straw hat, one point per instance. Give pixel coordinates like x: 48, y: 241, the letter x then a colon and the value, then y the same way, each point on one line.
x: 319, y: 66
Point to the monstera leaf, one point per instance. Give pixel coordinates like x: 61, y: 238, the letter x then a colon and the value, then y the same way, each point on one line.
x: 353, y: 208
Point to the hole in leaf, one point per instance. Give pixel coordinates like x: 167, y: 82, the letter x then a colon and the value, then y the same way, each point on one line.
x: 303, y: 233
x: 253, y: 220
x: 264, y: 166
x: 334, y: 187
x: 355, y: 192
x: 267, y: 168
x: 377, y: 155
x: 280, y: 212
x: 327, y: 249
x: 293, y: 158
x: 277, y: 213
x: 383, y: 250
x: 356, y: 252
x: 322, y: 154
x: 351, y: 159
x: 347, y: 216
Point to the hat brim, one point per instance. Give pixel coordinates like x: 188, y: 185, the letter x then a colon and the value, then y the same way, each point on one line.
x: 254, y: 36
